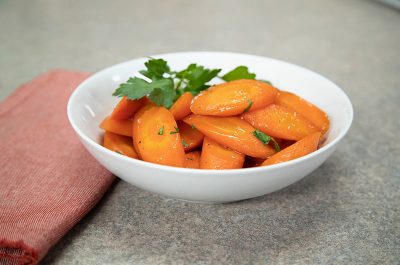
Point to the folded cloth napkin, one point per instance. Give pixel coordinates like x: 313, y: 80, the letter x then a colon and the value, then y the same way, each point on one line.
x: 48, y: 181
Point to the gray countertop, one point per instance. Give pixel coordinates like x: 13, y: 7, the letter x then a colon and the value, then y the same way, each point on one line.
x: 346, y: 212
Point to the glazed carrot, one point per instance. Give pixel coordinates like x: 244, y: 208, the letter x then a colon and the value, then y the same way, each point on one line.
x: 216, y: 156
x: 121, y: 127
x: 126, y: 108
x: 192, y: 137
x: 301, y: 148
x: 233, y: 98
x: 192, y: 159
x: 181, y: 108
x: 280, y: 122
x: 152, y: 138
x: 120, y: 144
x: 231, y: 132
x: 311, y: 112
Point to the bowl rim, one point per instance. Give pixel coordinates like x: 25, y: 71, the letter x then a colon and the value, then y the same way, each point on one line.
x: 138, y: 162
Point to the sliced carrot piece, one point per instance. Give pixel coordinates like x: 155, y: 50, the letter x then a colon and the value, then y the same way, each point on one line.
x: 301, y: 148
x: 311, y: 112
x: 280, y: 122
x: 192, y: 159
x: 231, y: 132
x: 126, y: 108
x: 120, y: 144
x: 181, y: 108
x: 233, y: 98
x: 192, y: 137
x: 121, y: 127
x: 216, y: 156
x: 152, y: 139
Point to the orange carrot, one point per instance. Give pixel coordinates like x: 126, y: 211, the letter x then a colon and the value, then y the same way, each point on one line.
x: 311, y: 112
x: 181, y: 108
x: 216, y: 156
x: 192, y: 137
x: 233, y: 98
x: 120, y: 144
x: 280, y: 122
x: 301, y: 148
x: 231, y: 132
x: 152, y: 139
x: 126, y: 108
x: 121, y: 127
x: 192, y: 159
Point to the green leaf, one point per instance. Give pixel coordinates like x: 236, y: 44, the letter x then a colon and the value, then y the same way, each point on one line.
x: 163, y: 96
x: 248, y: 106
x: 265, y: 139
x: 174, y: 132
x: 161, y: 131
x: 134, y: 88
x: 265, y: 81
x: 240, y: 72
x: 184, y: 143
x: 160, y: 91
x: 196, y: 77
x: 156, y: 68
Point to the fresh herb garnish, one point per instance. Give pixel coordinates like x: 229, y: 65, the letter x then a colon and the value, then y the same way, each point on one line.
x: 189, y: 158
x: 163, y: 86
x: 248, y: 106
x: 184, y: 143
x: 176, y: 130
x: 166, y: 85
x: 193, y: 126
x: 265, y: 81
x: 161, y: 131
x: 240, y: 72
x: 265, y: 139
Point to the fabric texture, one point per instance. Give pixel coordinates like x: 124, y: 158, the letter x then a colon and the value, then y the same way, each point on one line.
x: 48, y: 181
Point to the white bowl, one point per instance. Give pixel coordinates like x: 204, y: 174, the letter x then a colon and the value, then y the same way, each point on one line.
x: 92, y: 101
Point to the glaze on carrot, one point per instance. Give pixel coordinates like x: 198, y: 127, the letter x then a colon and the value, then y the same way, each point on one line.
x: 231, y: 132
x: 120, y: 144
x: 126, y: 108
x: 121, y: 127
x: 311, y: 112
x: 152, y: 138
x: 280, y: 122
x: 233, y: 98
x: 216, y: 156
x: 181, y: 108
x: 301, y: 148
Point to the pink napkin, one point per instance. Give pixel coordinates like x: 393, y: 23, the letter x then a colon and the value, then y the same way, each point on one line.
x: 48, y: 181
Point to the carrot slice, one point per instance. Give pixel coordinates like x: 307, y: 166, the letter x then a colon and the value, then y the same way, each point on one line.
x: 192, y: 137
x: 192, y: 159
x: 231, y: 132
x: 120, y: 144
x: 216, y: 156
x: 311, y: 112
x: 280, y: 122
x: 301, y: 148
x: 151, y: 136
x: 121, y: 127
x: 126, y: 108
x: 233, y: 98
x: 181, y: 108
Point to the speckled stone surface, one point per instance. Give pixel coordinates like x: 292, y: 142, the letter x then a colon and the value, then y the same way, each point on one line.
x: 346, y: 212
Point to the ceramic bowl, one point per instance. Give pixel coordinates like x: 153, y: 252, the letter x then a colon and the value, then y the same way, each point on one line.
x: 92, y: 101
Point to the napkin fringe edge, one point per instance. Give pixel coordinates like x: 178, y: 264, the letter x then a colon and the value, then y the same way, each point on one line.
x: 28, y: 254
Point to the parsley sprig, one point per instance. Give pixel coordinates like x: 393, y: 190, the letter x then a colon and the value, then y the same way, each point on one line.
x: 265, y: 139
x: 165, y: 85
